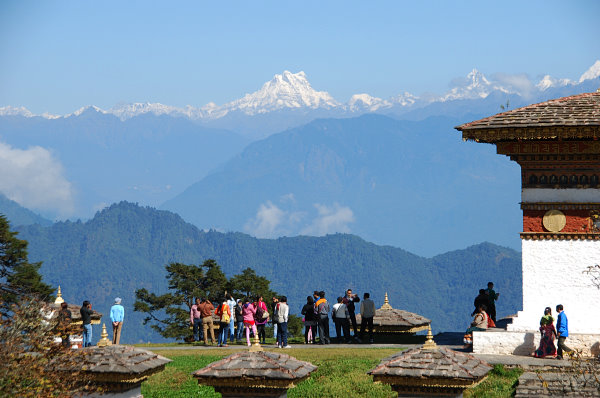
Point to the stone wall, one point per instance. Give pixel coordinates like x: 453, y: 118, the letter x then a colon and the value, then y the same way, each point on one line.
x: 500, y: 342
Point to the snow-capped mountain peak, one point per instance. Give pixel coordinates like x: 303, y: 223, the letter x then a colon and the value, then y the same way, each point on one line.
x: 286, y: 90
x: 475, y: 85
x: 365, y: 102
x: 592, y: 73
x: 549, y: 82
x: 83, y: 109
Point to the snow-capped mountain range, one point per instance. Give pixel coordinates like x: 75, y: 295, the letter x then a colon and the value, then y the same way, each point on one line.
x: 292, y: 91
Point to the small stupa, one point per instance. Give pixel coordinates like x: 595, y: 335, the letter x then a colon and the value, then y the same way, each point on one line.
x: 391, y: 320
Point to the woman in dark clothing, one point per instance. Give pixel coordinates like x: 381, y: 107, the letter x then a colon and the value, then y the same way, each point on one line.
x: 310, y: 319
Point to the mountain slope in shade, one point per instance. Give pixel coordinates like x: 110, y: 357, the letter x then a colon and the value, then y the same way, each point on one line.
x: 145, y: 159
x: 125, y: 247
x: 410, y: 184
x: 19, y: 215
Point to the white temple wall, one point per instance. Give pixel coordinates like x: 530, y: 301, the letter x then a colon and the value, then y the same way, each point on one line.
x: 568, y: 195
x: 553, y: 273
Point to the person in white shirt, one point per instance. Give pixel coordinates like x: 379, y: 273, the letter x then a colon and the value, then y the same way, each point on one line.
x: 282, y: 323
x: 367, y: 312
x: 341, y: 318
x: 231, y: 303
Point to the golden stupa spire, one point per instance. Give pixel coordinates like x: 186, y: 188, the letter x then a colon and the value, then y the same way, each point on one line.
x: 256, y: 347
x: 59, y: 299
x: 386, y: 303
x: 429, y: 343
x: 104, y: 341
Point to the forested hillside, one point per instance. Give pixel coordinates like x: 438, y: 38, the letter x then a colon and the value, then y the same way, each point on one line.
x: 125, y: 247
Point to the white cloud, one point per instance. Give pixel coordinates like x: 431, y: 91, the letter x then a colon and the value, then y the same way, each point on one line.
x: 519, y: 83
x: 34, y: 179
x: 330, y: 219
x: 268, y: 221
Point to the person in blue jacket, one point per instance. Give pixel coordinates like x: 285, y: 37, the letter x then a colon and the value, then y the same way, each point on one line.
x: 562, y: 330
x: 117, y: 313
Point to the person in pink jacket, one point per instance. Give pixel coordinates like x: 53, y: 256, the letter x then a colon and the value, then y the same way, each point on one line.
x: 248, y: 311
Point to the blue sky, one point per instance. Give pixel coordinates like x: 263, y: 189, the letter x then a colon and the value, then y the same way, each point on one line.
x: 58, y: 56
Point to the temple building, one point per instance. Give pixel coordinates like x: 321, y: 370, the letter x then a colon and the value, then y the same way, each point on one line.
x: 557, y: 145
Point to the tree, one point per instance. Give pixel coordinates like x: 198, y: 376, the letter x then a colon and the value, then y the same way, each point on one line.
x: 31, y: 360
x: 249, y: 284
x: 18, y: 277
x: 170, y: 313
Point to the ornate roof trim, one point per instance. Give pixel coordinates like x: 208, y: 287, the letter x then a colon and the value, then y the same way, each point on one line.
x: 574, y: 117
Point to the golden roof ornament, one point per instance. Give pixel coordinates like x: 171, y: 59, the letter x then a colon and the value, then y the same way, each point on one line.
x: 256, y: 347
x: 386, y: 303
x: 104, y: 341
x: 59, y: 299
x: 429, y: 343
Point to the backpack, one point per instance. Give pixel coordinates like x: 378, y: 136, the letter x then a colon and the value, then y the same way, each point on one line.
x: 225, y: 318
x: 261, y: 314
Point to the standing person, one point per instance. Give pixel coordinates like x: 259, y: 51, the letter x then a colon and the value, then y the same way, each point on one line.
x: 341, y: 318
x: 310, y: 320
x: 239, y: 320
x: 282, y: 321
x: 318, y: 330
x: 492, y: 297
x: 224, y: 315
x: 482, y: 298
x: 274, y: 318
x: 248, y: 311
x: 86, y: 319
x: 196, y: 321
x: 562, y: 329
x: 367, y: 312
x: 64, y: 324
x: 350, y: 300
x: 261, y: 318
x: 323, y: 318
x: 206, y: 311
x: 117, y: 314
x: 231, y: 303
x: 547, y: 347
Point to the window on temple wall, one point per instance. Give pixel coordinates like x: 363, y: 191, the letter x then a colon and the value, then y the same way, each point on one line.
x: 583, y: 180
x: 533, y: 180
x: 544, y: 180
x: 573, y: 180
x: 563, y: 180
x: 594, y: 180
x: 553, y: 180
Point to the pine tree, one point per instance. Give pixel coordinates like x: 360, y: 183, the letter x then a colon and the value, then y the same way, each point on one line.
x: 18, y: 277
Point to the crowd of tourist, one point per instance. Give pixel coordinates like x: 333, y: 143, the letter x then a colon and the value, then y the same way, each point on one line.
x: 248, y: 317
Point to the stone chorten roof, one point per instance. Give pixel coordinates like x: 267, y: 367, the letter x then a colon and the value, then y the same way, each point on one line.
x: 390, y: 320
x: 119, y: 364
x: 254, y: 371
x: 430, y: 370
x: 574, y: 117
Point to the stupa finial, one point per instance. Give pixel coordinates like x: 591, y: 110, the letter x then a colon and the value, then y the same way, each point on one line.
x: 59, y: 299
x: 429, y: 343
x: 256, y: 347
x: 104, y: 341
x: 386, y: 303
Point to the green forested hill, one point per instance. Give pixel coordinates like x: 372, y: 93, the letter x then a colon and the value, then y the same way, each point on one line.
x: 125, y: 247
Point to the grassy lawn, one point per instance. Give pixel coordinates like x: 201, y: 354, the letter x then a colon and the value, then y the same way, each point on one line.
x: 341, y: 373
x: 500, y: 383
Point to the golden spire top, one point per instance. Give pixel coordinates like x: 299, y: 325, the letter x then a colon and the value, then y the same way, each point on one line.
x: 386, y: 303
x: 104, y: 341
x: 59, y: 299
x: 256, y: 347
x: 429, y: 343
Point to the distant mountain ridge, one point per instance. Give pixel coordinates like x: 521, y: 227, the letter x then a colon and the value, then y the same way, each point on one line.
x: 19, y: 215
x: 408, y: 184
x: 292, y: 92
x: 125, y: 247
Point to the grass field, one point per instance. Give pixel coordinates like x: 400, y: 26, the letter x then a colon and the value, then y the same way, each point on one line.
x: 341, y: 373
